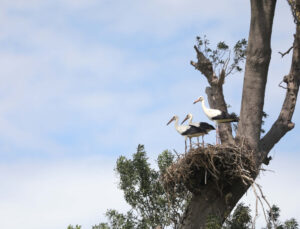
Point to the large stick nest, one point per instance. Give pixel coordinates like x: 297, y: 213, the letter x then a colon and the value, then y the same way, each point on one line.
x: 219, y: 164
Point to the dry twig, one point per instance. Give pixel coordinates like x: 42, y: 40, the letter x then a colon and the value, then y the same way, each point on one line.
x: 285, y: 53
x: 211, y: 164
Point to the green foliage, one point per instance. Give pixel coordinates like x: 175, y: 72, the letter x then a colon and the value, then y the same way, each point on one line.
x: 72, y: 227
x: 143, y: 191
x: 273, y: 220
x: 151, y: 207
x: 240, y: 219
x: 118, y: 220
x: 101, y: 226
x: 221, y: 57
x: 213, y: 222
x: 291, y: 224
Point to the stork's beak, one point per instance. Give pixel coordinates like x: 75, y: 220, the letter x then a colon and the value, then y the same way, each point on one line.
x: 196, y: 101
x: 172, y: 119
x: 186, y: 118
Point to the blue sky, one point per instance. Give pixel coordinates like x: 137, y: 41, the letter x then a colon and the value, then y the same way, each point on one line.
x: 83, y: 82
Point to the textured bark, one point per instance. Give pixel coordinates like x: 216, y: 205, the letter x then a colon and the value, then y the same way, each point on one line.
x: 209, y: 201
x: 256, y: 71
x: 284, y: 123
x: 214, y: 93
x: 216, y: 100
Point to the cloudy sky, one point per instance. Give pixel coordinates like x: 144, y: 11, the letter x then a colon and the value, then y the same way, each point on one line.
x: 85, y: 81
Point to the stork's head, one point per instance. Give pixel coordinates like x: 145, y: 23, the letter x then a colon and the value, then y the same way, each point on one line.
x: 188, y: 116
x: 200, y: 99
x: 172, y: 119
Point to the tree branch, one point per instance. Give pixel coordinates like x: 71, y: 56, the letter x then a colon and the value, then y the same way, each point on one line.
x: 214, y: 93
x: 204, y: 65
x: 222, y: 77
x: 283, y: 124
x: 287, y: 52
x: 256, y: 71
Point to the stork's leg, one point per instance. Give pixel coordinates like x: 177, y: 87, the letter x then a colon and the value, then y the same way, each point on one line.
x: 217, y: 135
x: 198, y: 141
x: 202, y: 141
x: 190, y: 143
x: 185, y: 145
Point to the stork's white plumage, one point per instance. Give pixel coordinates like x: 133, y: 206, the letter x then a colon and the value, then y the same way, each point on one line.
x: 202, y: 125
x: 216, y: 115
x: 186, y: 131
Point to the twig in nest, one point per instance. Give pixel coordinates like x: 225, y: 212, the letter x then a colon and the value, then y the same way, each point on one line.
x: 285, y: 53
x: 258, y: 198
x: 256, y: 214
x: 261, y: 203
x: 177, y: 154
x: 218, y: 164
x: 266, y: 170
x: 265, y: 199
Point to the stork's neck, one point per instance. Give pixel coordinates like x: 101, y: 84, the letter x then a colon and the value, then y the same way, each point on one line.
x: 190, y: 119
x: 176, y: 123
x: 203, y: 106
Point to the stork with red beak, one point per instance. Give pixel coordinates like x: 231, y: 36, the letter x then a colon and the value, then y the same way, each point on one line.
x: 203, y: 125
x: 216, y: 115
x: 187, y: 131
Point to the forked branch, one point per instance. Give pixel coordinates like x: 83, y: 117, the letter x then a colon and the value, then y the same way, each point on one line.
x: 287, y: 52
x: 206, y: 60
x: 204, y: 65
x: 284, y: 123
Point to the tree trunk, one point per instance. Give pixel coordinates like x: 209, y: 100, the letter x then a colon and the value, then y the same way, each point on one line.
x: 256, y: 71
x: 210, y: 201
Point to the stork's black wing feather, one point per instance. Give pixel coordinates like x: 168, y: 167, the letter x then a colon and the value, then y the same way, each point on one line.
x: 203, y: 125
x: 193, y: 130
x: 206, y: 126
x: 226, y: 117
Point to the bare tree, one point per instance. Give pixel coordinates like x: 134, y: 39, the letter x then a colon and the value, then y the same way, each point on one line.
x: 210, y: 201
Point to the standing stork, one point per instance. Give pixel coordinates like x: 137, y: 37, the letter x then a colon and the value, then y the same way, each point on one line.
x: 203, y: 125
x: 186, y: 131
x: 216, y: 115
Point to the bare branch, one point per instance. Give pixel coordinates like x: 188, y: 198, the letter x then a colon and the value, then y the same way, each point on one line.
x: 265, y: 199
x: 222, y: 77
x: 204, y: 65
x: 283, y: 124
x: 256, y: 214
x: 279, y: 85
x: 227, y: 62
x: 214, y: 92
x: 287, y: 52
x: 261, y: 203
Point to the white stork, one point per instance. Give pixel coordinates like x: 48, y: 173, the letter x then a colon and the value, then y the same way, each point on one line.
x: 216, y: 115
x: 186, y: 131
x: 203, y: 125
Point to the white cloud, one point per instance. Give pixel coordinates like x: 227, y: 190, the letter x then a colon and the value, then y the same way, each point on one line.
x: 53, y: 194
x: 102, y: 76
x: 40, y: 194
